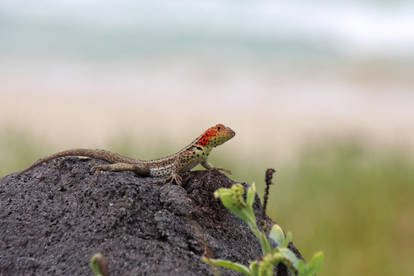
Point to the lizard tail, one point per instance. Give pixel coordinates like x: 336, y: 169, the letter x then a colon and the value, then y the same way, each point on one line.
x: 97, y: 153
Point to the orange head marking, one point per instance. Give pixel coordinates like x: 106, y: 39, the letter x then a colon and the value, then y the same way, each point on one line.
x: 215, y: 136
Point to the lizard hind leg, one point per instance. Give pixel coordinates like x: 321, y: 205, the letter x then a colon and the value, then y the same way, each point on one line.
x: 97, y: 169
x: 174, y: 177
x: 114, y: 167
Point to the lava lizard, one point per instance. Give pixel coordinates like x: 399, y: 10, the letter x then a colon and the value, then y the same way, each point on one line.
x: 170, y: 166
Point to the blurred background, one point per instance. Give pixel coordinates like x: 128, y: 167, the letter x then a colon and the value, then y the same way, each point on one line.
x: 322, y: 91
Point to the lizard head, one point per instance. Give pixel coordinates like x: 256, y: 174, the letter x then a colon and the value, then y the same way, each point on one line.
x: 215, y: 136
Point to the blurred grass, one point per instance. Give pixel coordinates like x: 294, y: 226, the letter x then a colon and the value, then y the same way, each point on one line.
x: 353, y: 203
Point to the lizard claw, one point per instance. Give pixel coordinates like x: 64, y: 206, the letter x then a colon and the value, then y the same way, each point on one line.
x: 174, y: 177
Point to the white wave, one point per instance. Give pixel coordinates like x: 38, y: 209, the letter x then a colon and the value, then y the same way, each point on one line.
x: 354, y: 27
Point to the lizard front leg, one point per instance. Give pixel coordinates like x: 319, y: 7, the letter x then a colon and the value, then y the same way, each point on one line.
x: 209, y: 166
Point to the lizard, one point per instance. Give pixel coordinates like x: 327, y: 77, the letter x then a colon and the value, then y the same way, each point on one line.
x: 190, y: 156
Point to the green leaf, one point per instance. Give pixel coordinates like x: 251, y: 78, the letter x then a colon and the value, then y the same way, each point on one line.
x: 254, y: 268
x: 302, y: 268
x: 233, y: 200
x: 264, y: 243
x: 228, y: 264
x: 94, y: 264
x: 290, y: 256
x: 315, y: 264
x: 268, y: 262
x: 234, y: 195
x: 251, y: 195
x: 277, y: 234
x: 287, y: 240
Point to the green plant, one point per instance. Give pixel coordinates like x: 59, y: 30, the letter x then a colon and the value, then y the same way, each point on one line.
x: 233, y: 199
x: 99, y: 265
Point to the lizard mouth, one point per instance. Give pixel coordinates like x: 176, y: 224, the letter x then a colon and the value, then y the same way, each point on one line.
x: 231, y: 133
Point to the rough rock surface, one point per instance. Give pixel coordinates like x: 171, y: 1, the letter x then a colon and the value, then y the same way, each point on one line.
x: 56, y: 216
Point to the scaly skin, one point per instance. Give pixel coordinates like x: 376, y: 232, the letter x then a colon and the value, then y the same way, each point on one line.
x: 195, y: 153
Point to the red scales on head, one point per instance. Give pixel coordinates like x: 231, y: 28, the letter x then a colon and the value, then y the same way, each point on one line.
x: 209, y: 134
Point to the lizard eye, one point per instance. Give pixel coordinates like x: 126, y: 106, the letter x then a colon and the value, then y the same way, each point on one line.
x: 218, y: 128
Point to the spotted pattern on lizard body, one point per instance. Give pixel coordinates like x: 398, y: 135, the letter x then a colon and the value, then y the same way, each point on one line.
x: 195, y: 153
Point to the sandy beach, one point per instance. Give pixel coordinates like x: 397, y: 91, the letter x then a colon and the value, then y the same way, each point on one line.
x: 71, y: 105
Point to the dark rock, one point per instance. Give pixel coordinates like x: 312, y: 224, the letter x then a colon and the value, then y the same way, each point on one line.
x: 56, y: 216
